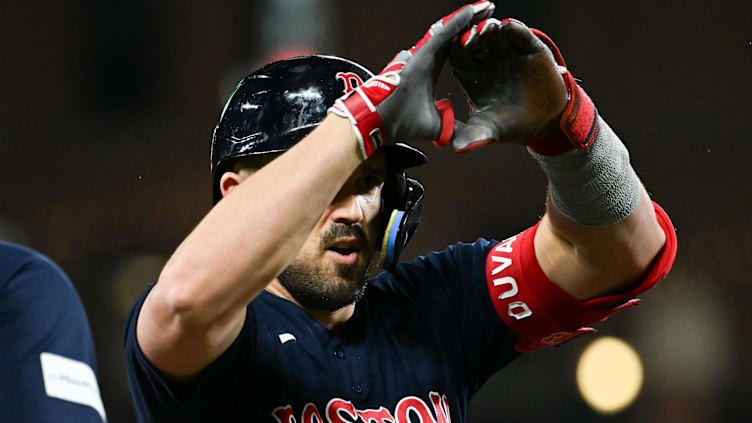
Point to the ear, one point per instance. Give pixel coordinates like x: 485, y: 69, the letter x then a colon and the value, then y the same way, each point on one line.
x: 228, y: 181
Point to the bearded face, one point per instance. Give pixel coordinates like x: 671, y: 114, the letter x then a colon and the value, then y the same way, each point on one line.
x: 331, y: 269
x: 335, y: 274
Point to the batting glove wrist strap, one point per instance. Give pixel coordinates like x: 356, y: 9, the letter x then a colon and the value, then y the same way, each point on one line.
x: 358, y: 106
x: 578, y: 122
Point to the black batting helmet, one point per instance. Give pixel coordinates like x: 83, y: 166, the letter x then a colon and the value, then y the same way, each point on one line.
x: 279, y: 104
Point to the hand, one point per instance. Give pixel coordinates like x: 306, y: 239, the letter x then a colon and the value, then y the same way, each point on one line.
x: 517, y: 85
x: 398, y: 103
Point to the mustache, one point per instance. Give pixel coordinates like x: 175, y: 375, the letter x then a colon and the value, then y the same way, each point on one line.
x: 339, y: 230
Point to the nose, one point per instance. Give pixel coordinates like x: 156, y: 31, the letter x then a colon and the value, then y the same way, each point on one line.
x: 347, y: 209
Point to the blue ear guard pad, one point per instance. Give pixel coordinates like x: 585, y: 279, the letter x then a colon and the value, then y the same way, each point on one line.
x: 403, y: 201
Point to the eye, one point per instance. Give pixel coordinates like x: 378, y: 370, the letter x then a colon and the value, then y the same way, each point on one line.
x: 366, y: 183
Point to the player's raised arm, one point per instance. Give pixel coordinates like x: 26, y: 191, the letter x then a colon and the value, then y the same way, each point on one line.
x: 601, y: 232
x: 267, y: 213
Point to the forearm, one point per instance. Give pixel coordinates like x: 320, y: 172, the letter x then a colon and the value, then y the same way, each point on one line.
x: 250, y: 236
x: 588, y: 261
x: 245, y: 241
x: 600, y: 220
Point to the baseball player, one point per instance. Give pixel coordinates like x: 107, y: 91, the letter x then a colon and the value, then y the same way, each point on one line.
x: 46, y: 350
x: 269, y: 310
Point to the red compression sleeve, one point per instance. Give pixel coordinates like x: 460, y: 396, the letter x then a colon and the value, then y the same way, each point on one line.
x: 540, y: 312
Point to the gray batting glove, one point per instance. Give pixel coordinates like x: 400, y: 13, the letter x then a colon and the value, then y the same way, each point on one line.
x: 399, y: 103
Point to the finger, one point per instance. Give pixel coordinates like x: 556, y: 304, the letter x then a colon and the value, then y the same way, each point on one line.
x: 444, y: 106
x: 397, y: 63
x: 450, y: 25
x: 481, y: 10
x: 488, y: 25
x: 488, y: 47
x: 474, y: 134
x: 483, y: 28
x: 520, y: 36
x: 469, y: 36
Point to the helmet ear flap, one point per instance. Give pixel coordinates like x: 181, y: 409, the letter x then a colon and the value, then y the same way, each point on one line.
x: 402, y: 202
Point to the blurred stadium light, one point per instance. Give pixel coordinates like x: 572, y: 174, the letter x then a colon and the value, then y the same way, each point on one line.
x: 609, y: 375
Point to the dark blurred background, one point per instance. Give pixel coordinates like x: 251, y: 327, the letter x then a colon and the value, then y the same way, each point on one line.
x: 107, y: 110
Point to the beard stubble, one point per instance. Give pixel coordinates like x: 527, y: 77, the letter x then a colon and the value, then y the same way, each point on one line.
x: 321, y: 287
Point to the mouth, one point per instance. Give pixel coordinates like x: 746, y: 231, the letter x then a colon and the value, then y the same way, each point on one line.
x: 344, y: 250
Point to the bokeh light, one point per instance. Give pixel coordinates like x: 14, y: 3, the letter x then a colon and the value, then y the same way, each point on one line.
x: 609, y: 375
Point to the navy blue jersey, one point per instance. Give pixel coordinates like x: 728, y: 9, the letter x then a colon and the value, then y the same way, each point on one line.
x: 421, y: 342
x: 46, y: 349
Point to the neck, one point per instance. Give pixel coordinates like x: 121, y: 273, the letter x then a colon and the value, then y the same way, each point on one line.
x: 328, y: 319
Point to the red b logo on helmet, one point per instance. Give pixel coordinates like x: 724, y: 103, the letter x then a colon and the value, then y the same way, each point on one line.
x: 351, y: 80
